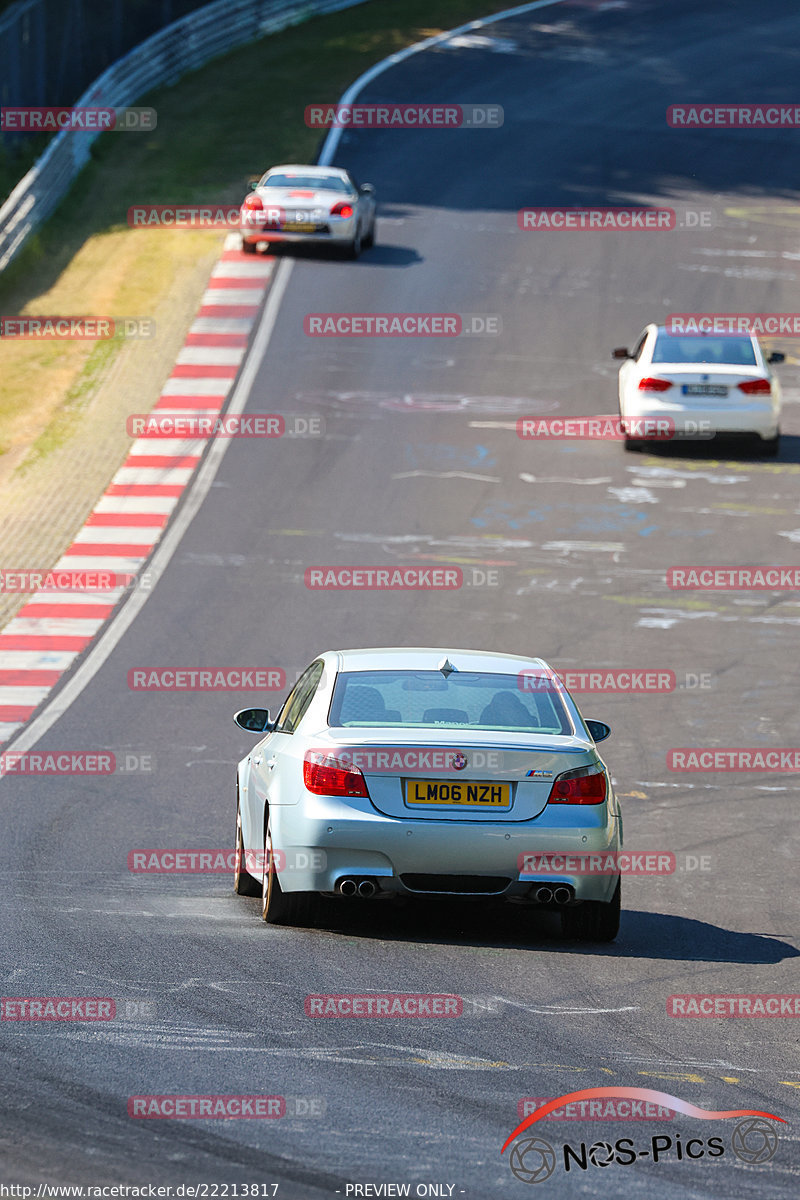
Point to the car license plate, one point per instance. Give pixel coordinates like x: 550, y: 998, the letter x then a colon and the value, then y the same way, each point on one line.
x: 465, y: 792
x: 704, y: 389
x: 299, y: 226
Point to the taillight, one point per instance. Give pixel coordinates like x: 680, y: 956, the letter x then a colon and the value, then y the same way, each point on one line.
x: 653, y: 384
x: 326, y: 775
x: 342, y: 209
x: 253, y: 202
x: 755, y: 387
x: 587, y: 785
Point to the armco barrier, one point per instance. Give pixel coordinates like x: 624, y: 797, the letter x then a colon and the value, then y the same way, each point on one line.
x: 183, y: 46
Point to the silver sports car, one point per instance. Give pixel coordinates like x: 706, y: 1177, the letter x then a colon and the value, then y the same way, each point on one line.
x: 309, y: 204
x: 429, y: 772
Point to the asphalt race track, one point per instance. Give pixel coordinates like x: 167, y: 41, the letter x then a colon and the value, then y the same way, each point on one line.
x: 564, y: 548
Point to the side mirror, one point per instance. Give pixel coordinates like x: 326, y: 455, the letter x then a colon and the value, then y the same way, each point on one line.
x: 254, y: 720
x: 776, y: 357
x: 598, y: 729
x: 367, y: 189
x: 620, y: 352
x: 254, y: 184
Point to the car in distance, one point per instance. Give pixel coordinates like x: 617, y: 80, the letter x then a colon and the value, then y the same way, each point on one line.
x: 698, y: 385
x: 427, y: 772
x: 309, y: 204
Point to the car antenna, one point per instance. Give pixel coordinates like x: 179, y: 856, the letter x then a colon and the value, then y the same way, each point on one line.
x: 446, y: 667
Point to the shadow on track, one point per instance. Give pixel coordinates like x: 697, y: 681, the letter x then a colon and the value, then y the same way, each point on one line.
x: 378, y: 255
x: 656, y: 936
x: 720, y: 450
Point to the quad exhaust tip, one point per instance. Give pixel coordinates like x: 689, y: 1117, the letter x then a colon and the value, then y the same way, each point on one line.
x: 356, y: 887
x: 557, y: 895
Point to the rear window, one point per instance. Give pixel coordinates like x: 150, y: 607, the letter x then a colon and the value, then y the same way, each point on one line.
x: 320, y: 183
x: 737, y: 351
x: 463, y: 700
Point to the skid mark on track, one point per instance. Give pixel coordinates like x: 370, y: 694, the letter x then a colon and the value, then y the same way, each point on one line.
x: 526, y: 478
x: 447, y: 475
x: 633, y: 495
x: 433, y: 402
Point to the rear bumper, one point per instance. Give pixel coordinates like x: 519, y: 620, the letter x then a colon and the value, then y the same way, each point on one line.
x: 321, y: 849
x: 340, y: 233
x: 698, y: 423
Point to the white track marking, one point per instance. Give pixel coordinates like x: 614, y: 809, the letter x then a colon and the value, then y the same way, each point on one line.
x: 226, y: 269
x: 76, y: 596
x: 218, y: 356
x: 105, y: 535
x: 38, y: 660
x: 54, y: 626
x: 23, y: 696
x: 221, y: 325
x: 136, y: 504
x: 206, y: 385
x: 122, y: 564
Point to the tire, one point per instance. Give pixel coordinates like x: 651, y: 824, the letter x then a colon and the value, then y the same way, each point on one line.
x: 249, y: 247
x: 770, y: 446
x: 628, y: 442
x: 243, y: 882
x: 279, y: 907
x: 594, y: 920
x: 369, y: 240
x: 354, y: 248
